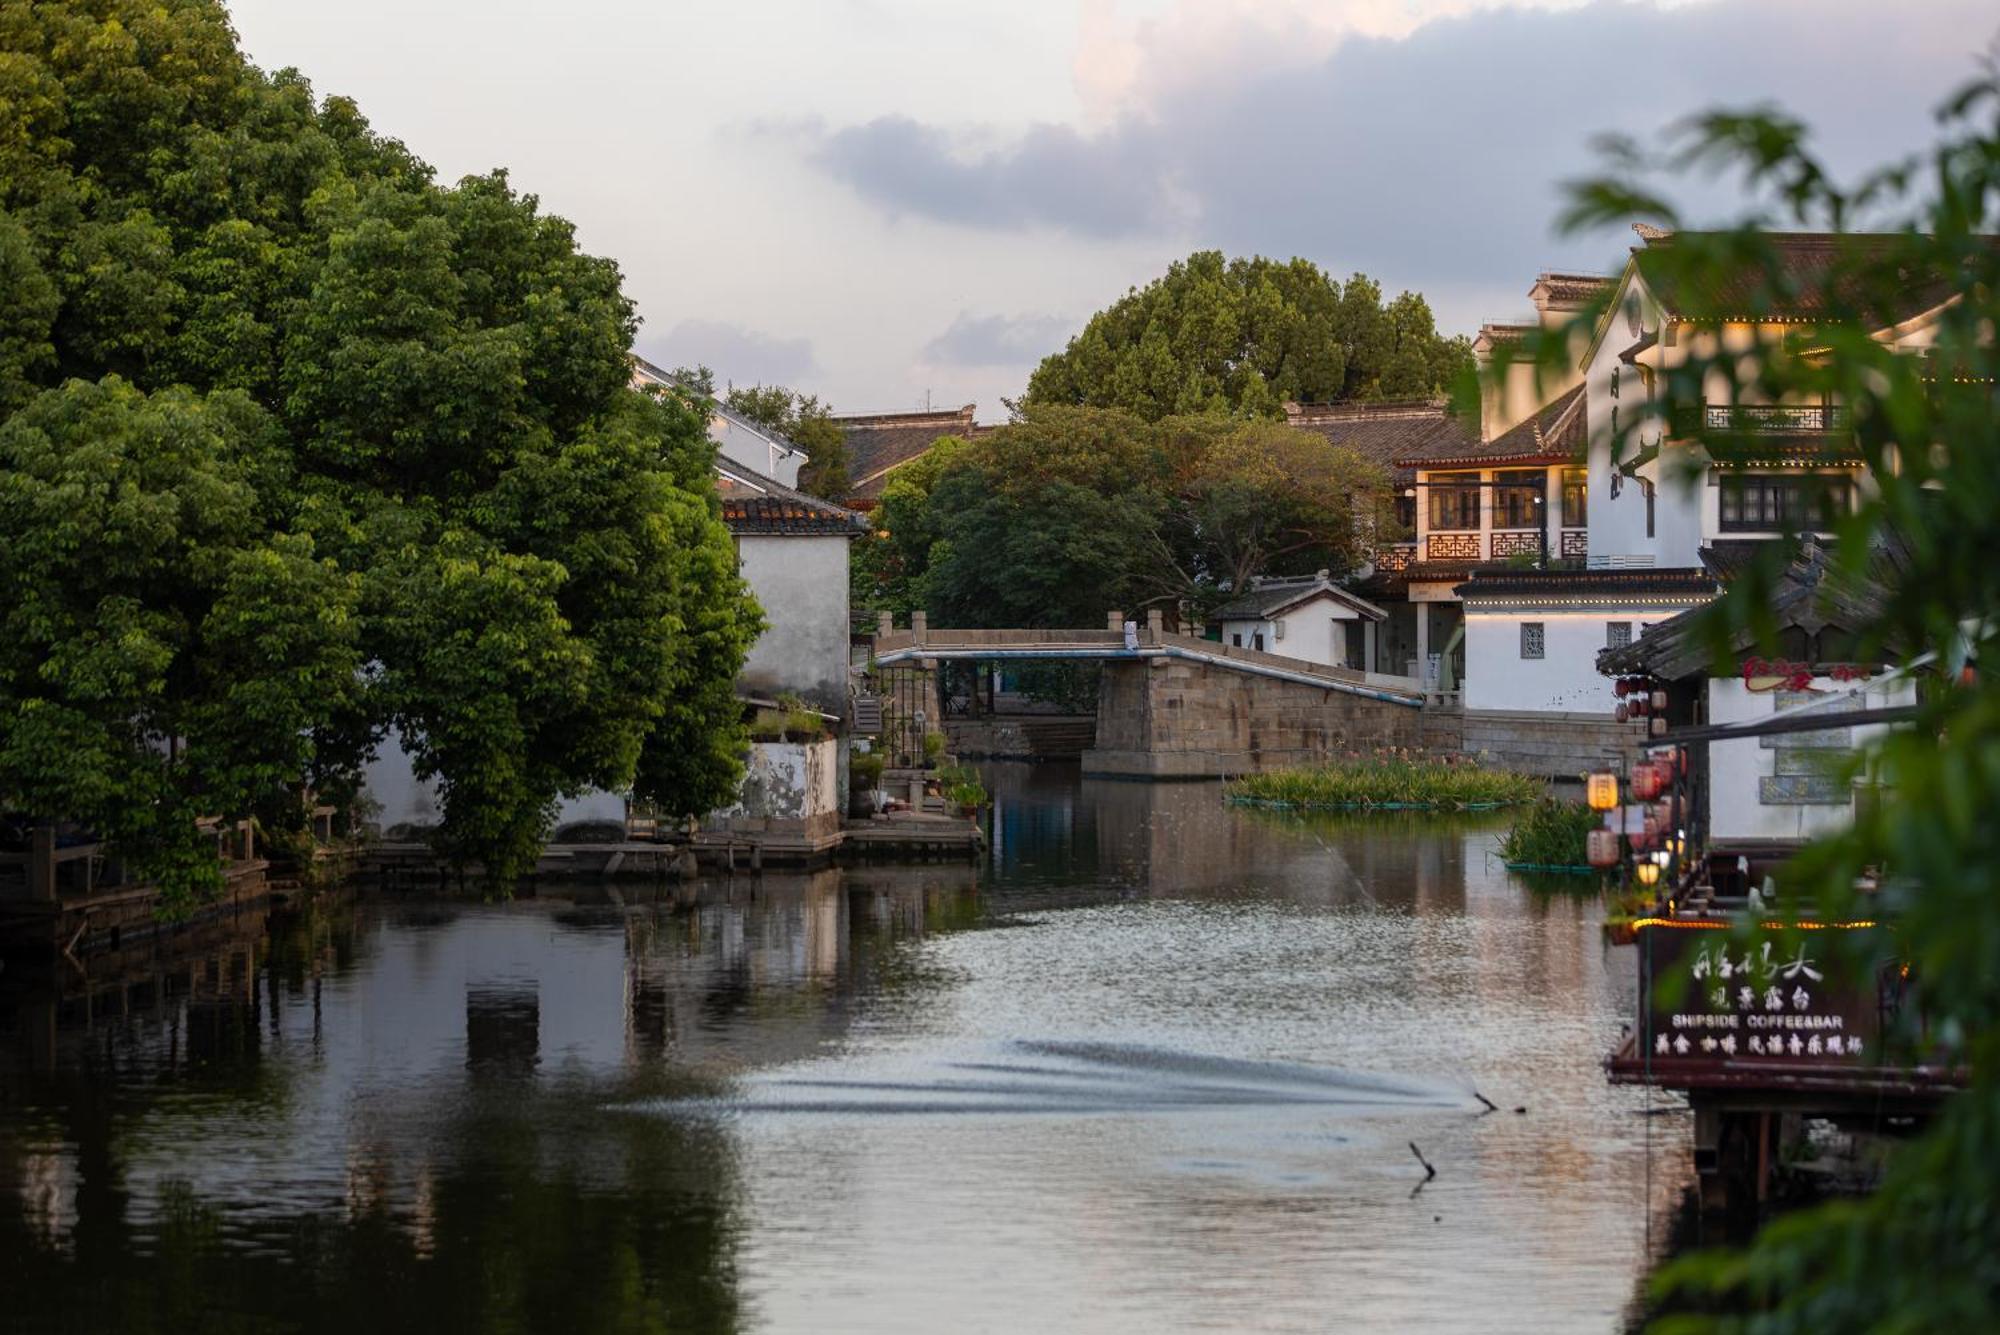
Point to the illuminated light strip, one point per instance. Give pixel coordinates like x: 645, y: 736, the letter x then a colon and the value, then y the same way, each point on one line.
x: 1660, y: 602
x: 1709, y: 925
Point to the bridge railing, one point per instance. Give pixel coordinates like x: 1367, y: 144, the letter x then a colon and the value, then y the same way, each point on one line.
x: 1152, y: 639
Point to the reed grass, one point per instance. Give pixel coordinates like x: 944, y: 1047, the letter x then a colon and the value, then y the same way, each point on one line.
x: 1550, y: 836
x: 1387, y: 781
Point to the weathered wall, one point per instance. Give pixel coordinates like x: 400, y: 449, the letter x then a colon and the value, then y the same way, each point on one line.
x: 788, y: 788
x: 1552, y: 745
x: 1170, y: 718
x: 801, y: 583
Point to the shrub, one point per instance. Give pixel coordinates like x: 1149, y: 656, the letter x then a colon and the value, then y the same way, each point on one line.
x: 864, y: 768
x: 1387, y: 780
x: 1550, y: 834
x: 960, y: 786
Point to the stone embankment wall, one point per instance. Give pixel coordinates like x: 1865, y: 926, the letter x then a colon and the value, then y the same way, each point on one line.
x: 1171, y: 718
x: 1552, y: 745
x: 1022, y: 737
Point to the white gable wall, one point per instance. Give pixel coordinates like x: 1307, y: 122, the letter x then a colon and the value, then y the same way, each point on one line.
x: 800, y: 580
x: 1314, y: 631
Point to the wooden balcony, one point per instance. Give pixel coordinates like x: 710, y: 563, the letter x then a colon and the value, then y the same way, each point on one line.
x: 1764, y: 419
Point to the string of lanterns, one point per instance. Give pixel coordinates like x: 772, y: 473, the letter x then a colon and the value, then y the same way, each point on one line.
x: 1655, y: 841
x: 1641, y: 698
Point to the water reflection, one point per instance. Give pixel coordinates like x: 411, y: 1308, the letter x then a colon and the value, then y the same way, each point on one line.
x: 1157, y: 1067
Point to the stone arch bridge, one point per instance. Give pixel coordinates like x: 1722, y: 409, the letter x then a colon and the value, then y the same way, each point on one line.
x: 1176, y: 706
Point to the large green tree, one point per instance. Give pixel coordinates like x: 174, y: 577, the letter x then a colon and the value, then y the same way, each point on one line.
x: 1068, y: 512
x: 406, y: 404
x: 1239, y: 337
x: 1922, y: 1253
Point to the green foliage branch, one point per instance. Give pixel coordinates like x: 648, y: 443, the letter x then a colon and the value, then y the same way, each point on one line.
x: 1921, y: 1253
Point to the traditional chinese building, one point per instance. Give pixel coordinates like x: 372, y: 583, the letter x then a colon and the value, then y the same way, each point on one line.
x: 880, y: 443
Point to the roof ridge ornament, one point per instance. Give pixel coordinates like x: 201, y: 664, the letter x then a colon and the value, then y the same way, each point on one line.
x: 1650, y: 233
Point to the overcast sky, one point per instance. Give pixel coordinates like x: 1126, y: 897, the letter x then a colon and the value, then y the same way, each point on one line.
x: 888, y: 200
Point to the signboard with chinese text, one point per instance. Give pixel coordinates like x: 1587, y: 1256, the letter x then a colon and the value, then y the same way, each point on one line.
x: 1777, y: 1000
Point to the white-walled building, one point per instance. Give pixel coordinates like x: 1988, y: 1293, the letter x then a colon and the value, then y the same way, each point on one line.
x: 792, y: 551
x: 1785, y: 787
x: 1307, y: 617
x: 1645, y: 532
x: 738, y: 440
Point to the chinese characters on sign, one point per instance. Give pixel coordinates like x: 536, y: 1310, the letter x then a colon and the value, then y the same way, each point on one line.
x: 1713, y: 997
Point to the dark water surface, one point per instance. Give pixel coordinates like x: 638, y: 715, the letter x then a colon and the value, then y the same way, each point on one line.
x: 1155, y: 1068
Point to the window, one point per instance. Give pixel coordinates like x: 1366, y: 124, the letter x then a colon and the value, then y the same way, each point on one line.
x: 1617, y: 634
x: 1455, y: 501
x: 1532, y: 639
x: 1575, y: 488
x: 1236, y: 638
x: 1769, y: 504
x: 1517, y: 498
x: 1257, y: 640
x: 1406, y: 511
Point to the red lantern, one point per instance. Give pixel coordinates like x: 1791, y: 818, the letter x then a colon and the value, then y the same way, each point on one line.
x: 1601, y: 847
x: 1621, y: 688
x: 1622, y: 713
x: 1646, y: 781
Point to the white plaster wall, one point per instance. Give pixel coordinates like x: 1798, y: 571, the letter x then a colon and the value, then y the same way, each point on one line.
x: 1618, y: 527
x: 1311, y: 632
x: 801, y: 583
x: 1735, y: 809
x: 1563, y: 680
x: 389, y: 779
x: 754, y: 451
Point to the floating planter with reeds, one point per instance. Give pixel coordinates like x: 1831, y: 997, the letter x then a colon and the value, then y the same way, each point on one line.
x: 1386, y: 781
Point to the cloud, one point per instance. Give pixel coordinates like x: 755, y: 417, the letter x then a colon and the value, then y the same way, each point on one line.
x: 1431, y: 157
x: 1046, y: 172
x: 998, y: 340
x: 736, y: 354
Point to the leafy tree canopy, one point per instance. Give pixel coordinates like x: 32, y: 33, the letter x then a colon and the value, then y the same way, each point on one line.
x: 1056, y: 518
x: 300, y: 445
x: 1922, y: 1253
x: 807, y: 423
x: 1241, y: 337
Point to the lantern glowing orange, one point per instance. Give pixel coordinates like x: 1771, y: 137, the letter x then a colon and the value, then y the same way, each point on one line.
x: 1646, y: 781
x: 1601, y: 790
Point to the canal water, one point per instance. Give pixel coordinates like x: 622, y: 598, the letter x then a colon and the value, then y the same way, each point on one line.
x: 1158, y: 1065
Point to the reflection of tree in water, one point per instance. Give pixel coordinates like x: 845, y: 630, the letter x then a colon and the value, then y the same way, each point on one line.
x: 511, y: 1203
x: 509, y: 1190
x: 496, y: 1241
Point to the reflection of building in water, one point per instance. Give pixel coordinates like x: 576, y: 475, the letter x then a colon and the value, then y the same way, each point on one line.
x: 701, y: 983
x: 430, y: 1081
x: 503, y: 1030
x: 1172, y: 839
